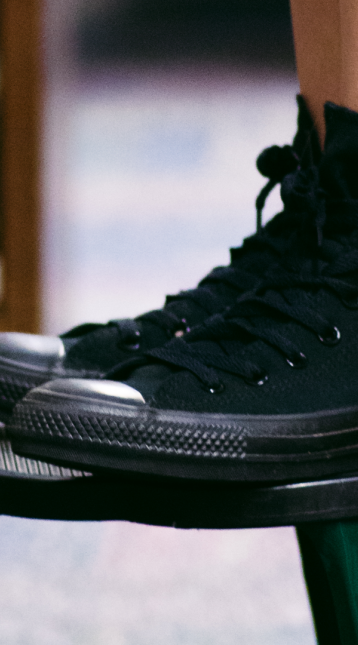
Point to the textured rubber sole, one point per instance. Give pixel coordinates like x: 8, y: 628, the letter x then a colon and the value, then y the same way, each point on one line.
x: 34, y: 489
x: 177, y: 503
x: 14, y: 466
x: 16, y: 381
x: 122, y: 438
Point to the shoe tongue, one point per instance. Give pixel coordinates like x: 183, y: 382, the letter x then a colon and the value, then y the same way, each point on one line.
x: 254, y: 263
x: 306, y: 142
x: 339, y: 166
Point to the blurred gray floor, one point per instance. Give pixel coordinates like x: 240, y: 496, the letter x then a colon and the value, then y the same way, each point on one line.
x: 110, y: 584
x: 151, y: 177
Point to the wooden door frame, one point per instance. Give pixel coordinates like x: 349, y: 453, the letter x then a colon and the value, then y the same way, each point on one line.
x: 21, y: 111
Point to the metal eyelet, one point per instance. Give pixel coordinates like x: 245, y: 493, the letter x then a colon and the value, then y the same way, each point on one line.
x: 135, y: 346
x: 185, y: 329
x: 332, y: 337
x: 297, y: 362
x: 260, y: 379
x: 216, y: 389
x: 351, y: 303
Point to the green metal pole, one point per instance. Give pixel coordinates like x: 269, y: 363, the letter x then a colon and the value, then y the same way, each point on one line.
x: 330, y: 562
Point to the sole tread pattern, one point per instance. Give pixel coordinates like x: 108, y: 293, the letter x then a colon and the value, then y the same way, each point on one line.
x: 165, y: 437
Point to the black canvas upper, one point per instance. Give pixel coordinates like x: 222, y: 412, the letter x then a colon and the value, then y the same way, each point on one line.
x: 290, y: 345
x: 266, y: 390
x: 99, y: 348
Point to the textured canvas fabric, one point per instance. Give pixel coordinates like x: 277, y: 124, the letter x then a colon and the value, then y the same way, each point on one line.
x: 316, y: 284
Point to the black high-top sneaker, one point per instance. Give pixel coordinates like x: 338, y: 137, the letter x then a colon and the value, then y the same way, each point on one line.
x: 91, y: 350
x: 264, y: 392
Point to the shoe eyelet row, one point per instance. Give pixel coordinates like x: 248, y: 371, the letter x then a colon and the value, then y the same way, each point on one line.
x: 133, y: 347
x: 260, y: 379
x: 216, y: 389
x: 331, y: 337
x: 184, y: 329
x: 297, y: 362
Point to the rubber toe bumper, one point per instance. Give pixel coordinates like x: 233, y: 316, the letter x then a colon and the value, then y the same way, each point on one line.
x: 32, y: 489
x: 107, y: 426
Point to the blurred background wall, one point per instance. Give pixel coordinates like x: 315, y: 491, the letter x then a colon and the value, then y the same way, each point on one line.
x: 155, y: 113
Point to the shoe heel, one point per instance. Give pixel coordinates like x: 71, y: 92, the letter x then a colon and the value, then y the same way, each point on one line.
x: 330, y: 563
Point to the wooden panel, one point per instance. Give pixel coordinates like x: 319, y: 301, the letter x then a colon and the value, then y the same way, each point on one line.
x: 21, y: 97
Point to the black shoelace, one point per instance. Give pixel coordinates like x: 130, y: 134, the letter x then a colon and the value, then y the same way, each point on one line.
x: 275, y: 163
x: 324, y: 253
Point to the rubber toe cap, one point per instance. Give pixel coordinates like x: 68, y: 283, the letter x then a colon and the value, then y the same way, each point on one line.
x: 31, y: 350
x: 91, y: 390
